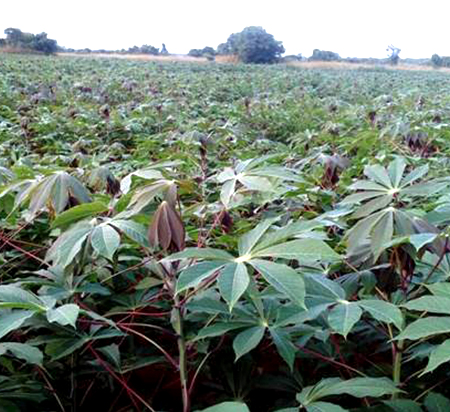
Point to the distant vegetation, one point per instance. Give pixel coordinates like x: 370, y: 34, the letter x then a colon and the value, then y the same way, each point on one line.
x: 18, y: 40
x: 323, y: 55
x: 252, y: 45
x: 440, y: 61
x: 207, y: 52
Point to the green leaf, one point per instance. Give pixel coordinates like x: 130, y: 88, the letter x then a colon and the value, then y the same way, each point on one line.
x: 16, y: 297
x: 283, y: 278
x: 64, y: 315
x: 218, y: 329
x: 227, y: 192
x: 403, y: 405
x: 435, y: 402
x: 79, y: 212
x: 324, y: 407
x: 419, y: 240
x: 256, y: 183
x: 372, y: 206
x: 422, y: 328
x: 13, y: 320
x: 357, y: 387
x: 284, y: 346
x: 250, y: 239
x: 432, y: 304
x: 414, y: 175
x: 69, y: 244
x: 105, y: 240
x: 383, y: 311
x: 379, y: 174
x: 112, y: 352
x: 425, y: 189
x: 304, y: 250
x: 133, y: 230
x: 440, y: 289
x: 233, y: 282
x: 343, y: 317
x: 61, y: 347
x: 247, y: 340
x: 321, y: 290
x: 201, y: 253
x: 227, y: 407
x: 438, y: 356
x: 193, y: 275
x: 382, y: 233
x: 395, y: 171
x: 23, y: 351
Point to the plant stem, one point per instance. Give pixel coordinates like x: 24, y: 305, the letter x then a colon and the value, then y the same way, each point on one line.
x: 396, y: 373
x: 182, y: 365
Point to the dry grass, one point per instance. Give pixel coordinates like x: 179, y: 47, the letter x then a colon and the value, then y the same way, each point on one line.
x: 146, y: 57
x: 234, y: 60
x: 227, y: 58
x: 347, y: 66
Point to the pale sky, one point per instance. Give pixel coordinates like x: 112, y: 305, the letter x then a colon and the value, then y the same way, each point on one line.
x: 358, y: 28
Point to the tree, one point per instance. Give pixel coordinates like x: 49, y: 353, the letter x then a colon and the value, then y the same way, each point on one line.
x: 436, y: 60
x: 28, y: 41
x: 253, y: 45
x: 43, y: 44
x: 393, y: 54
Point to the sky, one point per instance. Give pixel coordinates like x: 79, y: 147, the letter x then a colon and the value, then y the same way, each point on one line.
x: 352, y: 28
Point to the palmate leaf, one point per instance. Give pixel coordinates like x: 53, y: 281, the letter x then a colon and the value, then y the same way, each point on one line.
x: 234, y: 279
x: 253, y: 177
x: 56, y: 190
x: 380, y: 220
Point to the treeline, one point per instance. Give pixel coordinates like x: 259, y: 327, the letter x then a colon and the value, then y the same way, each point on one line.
x: 144, y: 49
x: 252, y: 45
x: 21, y: 41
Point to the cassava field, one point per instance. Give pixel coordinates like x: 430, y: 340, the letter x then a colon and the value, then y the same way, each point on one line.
x: 222, y: 238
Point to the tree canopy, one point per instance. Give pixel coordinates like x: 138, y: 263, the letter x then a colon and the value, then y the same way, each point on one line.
x: 253, y: 45
x: 29, y: 41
